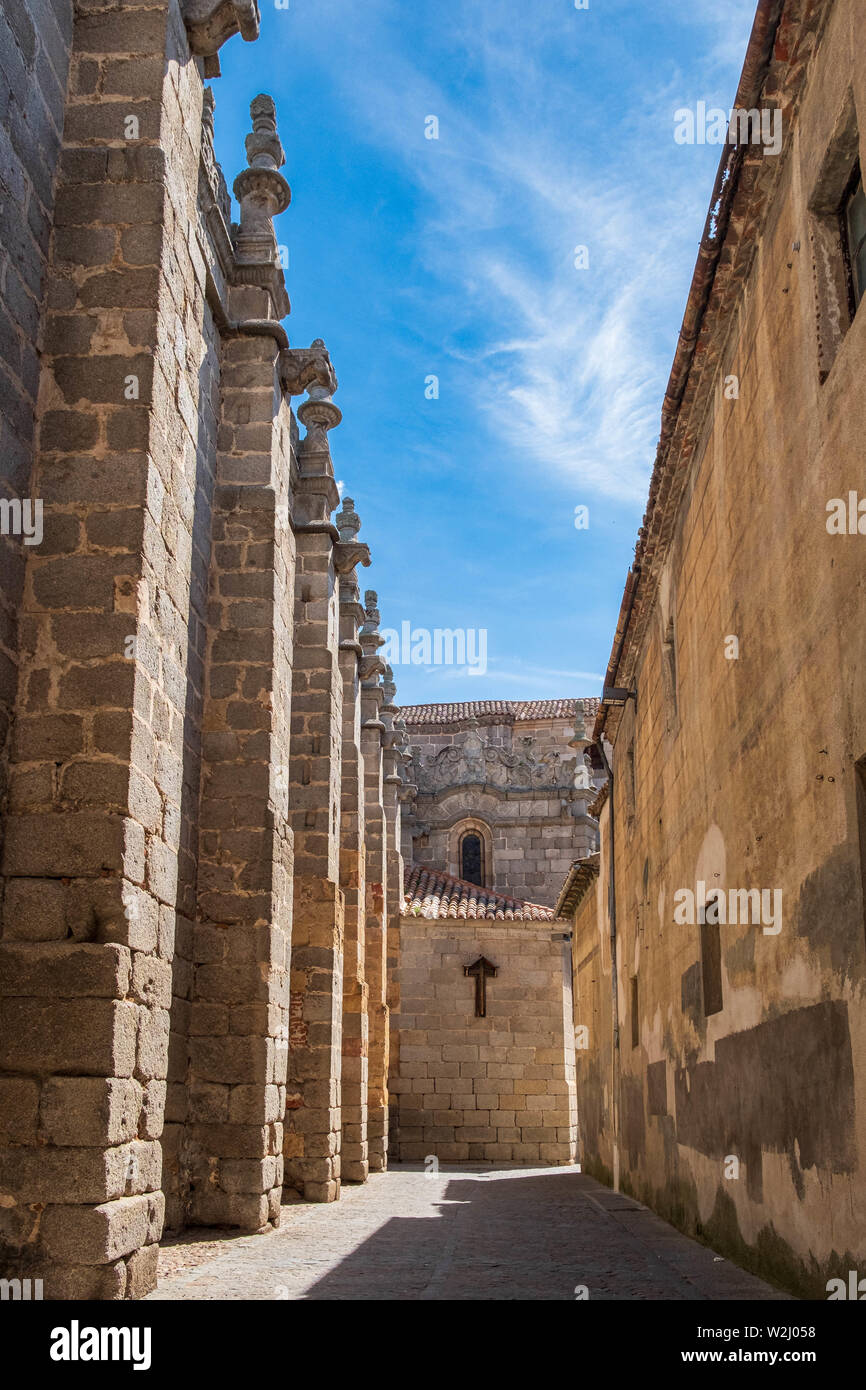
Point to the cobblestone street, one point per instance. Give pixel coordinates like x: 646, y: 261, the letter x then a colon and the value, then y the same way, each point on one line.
x: 464, y: 1233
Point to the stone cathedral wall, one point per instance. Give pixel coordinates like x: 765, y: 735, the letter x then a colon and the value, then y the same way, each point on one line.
x: 35, y: 47
x: 201, y: 833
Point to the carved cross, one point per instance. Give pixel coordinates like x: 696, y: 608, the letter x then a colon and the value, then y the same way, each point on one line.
x: 480, y: 969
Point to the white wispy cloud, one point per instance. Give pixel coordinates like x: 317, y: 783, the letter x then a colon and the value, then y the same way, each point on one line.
x: 728, y: 25
x: 541, y: 677
x: 537, y: 678
x: 568, y: 366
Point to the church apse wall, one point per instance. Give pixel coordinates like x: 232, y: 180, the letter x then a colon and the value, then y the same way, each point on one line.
x: 483, y: 1056
x: 514, y: 775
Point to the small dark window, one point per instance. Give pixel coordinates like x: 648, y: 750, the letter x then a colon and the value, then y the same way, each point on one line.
x: 669, y: 674
x: 472, y: 860
x: 860, y: 774
x: 711, y: 963
x: 853, y: 218
x: 837, y: 224
x: 631, y: 780
x: 635, y: 1018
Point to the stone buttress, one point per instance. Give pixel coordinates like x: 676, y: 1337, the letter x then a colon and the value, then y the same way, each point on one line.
x: 349, y: 553
x: 373, y: 730
x: 238, y: 1014
x: 157, y: 791
x: 312, y: 1141
x: 107, y: 634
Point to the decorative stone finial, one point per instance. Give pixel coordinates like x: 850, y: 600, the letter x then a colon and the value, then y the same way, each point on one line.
x: 264, y: 150
x: 580, y: 738
x: 372, y: 666
x: 317, y: 494
x: 216, y: 183
x: 207, y: 109
x: 349, y: 590
x: 349, y: 552
x: 579, y: 720
x: 409, y: 789
x: 261, y: 189
x: 583, y: 775
x: 319, y: 413
x: 347, y: 520
x: 263, y: 193
x: 372, y: 617
x: 389, y: 687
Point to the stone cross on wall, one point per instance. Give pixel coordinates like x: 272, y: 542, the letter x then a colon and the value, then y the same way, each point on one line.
x: 480, y: 969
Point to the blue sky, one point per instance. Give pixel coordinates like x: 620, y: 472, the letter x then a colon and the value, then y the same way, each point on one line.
x: 455, y: 257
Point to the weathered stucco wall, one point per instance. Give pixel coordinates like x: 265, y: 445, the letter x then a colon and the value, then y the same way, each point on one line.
x: 742, y: 1054
x: 595, y: 1077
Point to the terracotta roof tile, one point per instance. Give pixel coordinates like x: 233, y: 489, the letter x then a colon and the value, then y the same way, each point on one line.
x: 429, y: 893
x: 578, y: 881
x: 508, y: 711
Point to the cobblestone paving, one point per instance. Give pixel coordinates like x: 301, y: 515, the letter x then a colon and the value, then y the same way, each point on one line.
x: 465, y: 1233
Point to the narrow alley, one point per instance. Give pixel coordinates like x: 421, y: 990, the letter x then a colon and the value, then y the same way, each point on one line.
x: 466, y: 1233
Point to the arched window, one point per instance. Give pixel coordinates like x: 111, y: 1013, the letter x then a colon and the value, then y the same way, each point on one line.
x: 472, y: 858
x: 470, y: 851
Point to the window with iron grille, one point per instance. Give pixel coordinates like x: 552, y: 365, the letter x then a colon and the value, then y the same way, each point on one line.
x: 472, y: 859
x: 852, y: 215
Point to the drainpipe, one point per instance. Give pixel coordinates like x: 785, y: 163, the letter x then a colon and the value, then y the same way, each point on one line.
x: 262, y: 328
x: 258, y: 328
x: 611, y: 909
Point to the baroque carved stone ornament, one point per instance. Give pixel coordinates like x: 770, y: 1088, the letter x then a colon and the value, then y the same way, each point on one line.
x: 474, y: 761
